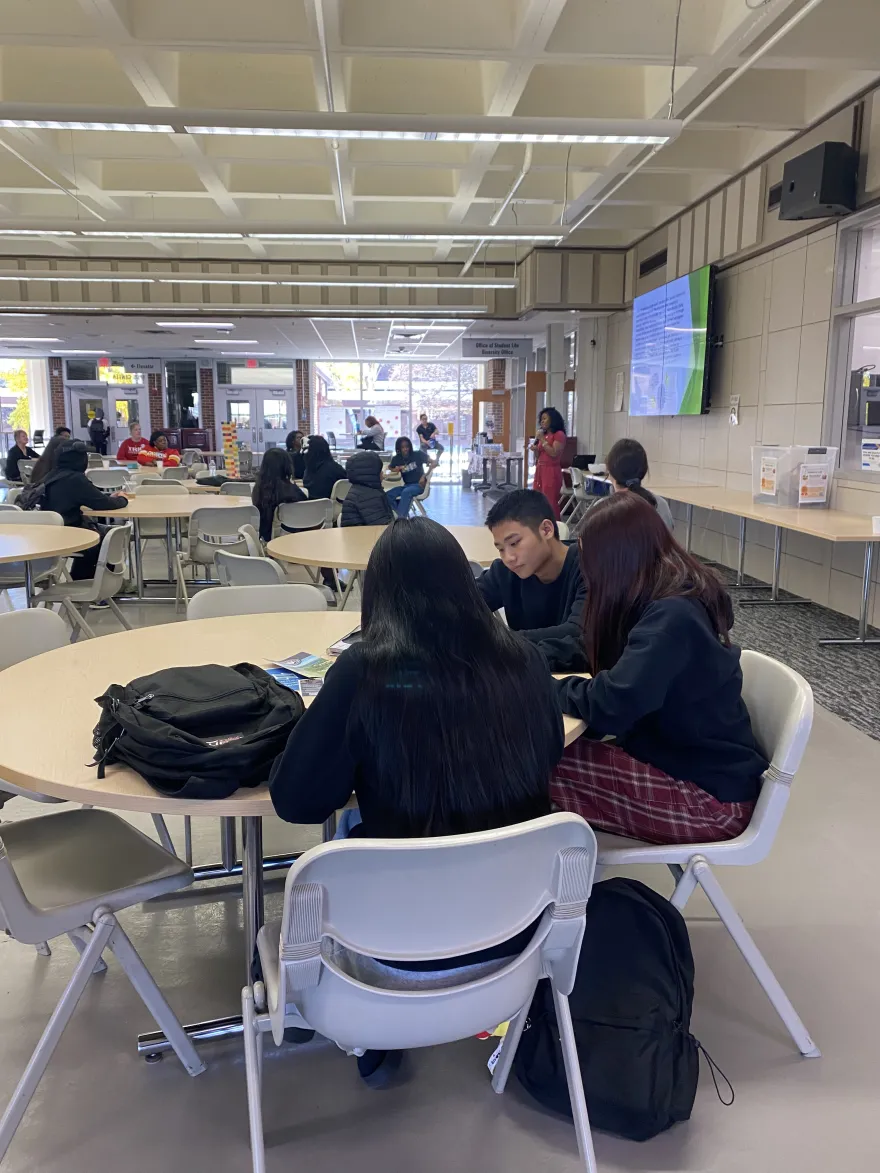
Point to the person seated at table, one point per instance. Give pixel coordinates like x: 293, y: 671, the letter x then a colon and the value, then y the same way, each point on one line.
x: 429, y: 436
x: 294, y: 446
x: 484, y: 689
x: 321, y: 470
x: 158, y: 450
x: 366, y: 503
x: 48, y: 459
x: 273, y: 487
x: 411, y: 465
x: 133, y: 446
x: 627, y: 466
x: 63, y: 431
x: 20, y: 450
x: 666, y: 684
x: 537, y: 579
x: 372, y: 435
x: 67, y: 490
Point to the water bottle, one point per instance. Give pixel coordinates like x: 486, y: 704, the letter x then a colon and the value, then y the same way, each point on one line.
x: 212, y: 467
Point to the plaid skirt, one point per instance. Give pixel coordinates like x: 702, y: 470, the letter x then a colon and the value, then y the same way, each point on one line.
x: 615, y: 792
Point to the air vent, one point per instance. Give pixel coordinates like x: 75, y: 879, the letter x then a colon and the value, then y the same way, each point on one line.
x: 653, y: 263
x: 774, y: 197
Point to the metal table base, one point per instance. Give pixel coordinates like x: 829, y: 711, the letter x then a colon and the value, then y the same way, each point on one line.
x: 774, y: 600
x: 862, y: 639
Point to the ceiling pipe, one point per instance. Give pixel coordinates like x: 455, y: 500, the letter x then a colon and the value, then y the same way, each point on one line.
x: 527, y: 162
x: 328, y: 82
x: 781, y: 32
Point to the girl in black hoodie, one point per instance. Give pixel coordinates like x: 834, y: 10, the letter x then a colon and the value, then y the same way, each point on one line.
x: 68, y: 490
x: 366, y: 502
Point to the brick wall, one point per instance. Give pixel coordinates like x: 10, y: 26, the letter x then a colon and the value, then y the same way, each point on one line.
x: 304, y: 395
x: 57, y: 406
x: 207, y: 416
x: 497, y: 373
x: 157, y: 414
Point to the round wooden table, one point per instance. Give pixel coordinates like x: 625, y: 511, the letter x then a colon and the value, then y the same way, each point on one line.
x: 28, y: 543
x: 50, y: 754
x: 171, y: 507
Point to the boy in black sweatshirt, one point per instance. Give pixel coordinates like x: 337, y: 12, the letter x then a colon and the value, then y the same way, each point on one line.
x: 537, y: 579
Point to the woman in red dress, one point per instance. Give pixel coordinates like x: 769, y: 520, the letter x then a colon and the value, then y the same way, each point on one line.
x: 549, y: 445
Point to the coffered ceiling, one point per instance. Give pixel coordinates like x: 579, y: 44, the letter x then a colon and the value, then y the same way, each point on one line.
x: 435, y: 68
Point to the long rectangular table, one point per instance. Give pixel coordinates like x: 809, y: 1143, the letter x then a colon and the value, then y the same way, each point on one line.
x: 831, y: 525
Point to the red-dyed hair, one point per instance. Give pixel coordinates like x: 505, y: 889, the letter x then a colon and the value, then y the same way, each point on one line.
x: 630, y: 559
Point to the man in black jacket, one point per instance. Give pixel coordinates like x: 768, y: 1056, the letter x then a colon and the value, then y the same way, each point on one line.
x: 19, y: 451
x: 366, y: 502
x: 537, y: 579
x: 67, y: 489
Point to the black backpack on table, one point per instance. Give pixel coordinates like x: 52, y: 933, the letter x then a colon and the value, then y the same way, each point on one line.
x: 199, y: 732
x: 631, y: 1009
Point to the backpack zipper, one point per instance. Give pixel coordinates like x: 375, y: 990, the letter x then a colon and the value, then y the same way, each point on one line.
x: 176, y: 697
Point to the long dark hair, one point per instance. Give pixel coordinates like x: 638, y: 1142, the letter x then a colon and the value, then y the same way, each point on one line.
x: 291, y: 440
x: 399, y: 443
x: 48, y: 460
x: 317, y: 453
x: 557, y: 423
x: 630, y: 559
x: 274, y: 471
x: 456, y: 727
x: 627, y: 462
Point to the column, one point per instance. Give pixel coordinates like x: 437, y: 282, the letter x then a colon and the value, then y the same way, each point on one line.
x: 157, y: 407
x: 58, y: 408
x: 497, y: 374
x: 207, y: 409
x: 556, y: 366
x: 590, y: 403
x: 303, y: 375
x: 37, y: 372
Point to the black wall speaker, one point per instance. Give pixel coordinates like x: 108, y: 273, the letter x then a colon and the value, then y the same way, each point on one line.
x: 820, y: 183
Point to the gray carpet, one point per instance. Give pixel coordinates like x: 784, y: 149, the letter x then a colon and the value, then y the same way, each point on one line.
x: 845, y: 680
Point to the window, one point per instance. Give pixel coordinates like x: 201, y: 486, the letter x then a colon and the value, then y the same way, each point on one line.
x: 855, y: 347
x: 182, y: 393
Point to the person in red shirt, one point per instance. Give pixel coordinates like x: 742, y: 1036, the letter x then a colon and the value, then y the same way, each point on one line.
x: 130, y: 448
x: 549, y: 445
x: 157, y: 450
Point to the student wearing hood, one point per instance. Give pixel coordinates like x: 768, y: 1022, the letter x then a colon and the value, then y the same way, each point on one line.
x: 68, y: 490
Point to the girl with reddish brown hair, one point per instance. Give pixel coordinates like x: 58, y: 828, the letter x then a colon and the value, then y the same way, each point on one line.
x: 683, y: 766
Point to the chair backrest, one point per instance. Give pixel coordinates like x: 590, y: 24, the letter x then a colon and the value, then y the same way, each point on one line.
x: 7, y: 508
x: 30, y: 632
x: 13, y: 495
x: 212, y: 527
x: 339, y: 491
x: 425, y: 899
x: 33, y: 517
x: 96, y: 460
x: 197, y: 467
x: 237, y: 489
x: 426, y: 492
x: 251, y: 539
x: 564, y: 532
x: 780, y: 704
x: 107, y: 478
x: 302, y: 515
x: 577, y: 479
x: 255, y: 600
x: 26, y: 470
x: 161, y: 488
x: 243, y: 570
x: 177, y: 472
x: 113, y: 552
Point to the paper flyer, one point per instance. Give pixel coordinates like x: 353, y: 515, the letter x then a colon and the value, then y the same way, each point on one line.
x: 305, y: 664
x: 769, y: 472
x: 813, y: 487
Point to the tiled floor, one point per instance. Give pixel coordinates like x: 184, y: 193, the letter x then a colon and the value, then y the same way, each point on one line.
x: 812, y: 907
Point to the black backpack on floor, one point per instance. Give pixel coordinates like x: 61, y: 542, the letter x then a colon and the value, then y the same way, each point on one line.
x: 198, y: 732
x: 631, y: 1008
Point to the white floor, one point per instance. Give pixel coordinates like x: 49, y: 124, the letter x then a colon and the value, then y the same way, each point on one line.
x: 813, y: 908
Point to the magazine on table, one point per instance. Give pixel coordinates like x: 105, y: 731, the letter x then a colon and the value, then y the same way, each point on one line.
x: 342, y: 645
x: 295, y: 683
x: 306, y: 664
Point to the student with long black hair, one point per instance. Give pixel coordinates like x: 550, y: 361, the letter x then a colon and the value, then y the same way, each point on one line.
x: 684, y: 766
x: 321, y: 470
x: 627, y: 465
x: 294, y: 444
x: 273, y: 487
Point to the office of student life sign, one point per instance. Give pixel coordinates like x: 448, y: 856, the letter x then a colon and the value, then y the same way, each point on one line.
x: 496, y: 347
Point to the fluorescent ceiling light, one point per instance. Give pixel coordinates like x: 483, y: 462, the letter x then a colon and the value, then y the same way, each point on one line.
x: 58, y: 124
x: 18, y: 315
x: 251, y: 354
x: 31, y: 339
x: 340, y: 282
x: 33, y: 232
x: 85, y: 277
x: 226, y: 341
x: 197, y: 325
x: 163, y: 235
x: 439, y: 136
x: 80, y: 351
x: 384, y: 237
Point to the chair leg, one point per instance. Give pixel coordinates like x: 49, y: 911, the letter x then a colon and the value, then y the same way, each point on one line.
x: 253, y: 1044
x: 50, y: 1037
x: 182, y: 596
x: 43, y: 949
x: 732, y: 921
x: 187, y: 839
x: 117, y: 611
x: 685, y: 883
x: 575, y: 1083
x: 504, y: 1066
x: 151, y: 996
x: 163, y: 833
x: 80, y: 940
x: 87, y: 630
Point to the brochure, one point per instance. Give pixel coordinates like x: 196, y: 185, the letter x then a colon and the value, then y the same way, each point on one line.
x: 342, y: 645
x: 305, y: 664
x: 295, y: 683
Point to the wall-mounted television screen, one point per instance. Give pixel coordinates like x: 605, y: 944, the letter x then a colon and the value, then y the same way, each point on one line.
x: 669, y: 347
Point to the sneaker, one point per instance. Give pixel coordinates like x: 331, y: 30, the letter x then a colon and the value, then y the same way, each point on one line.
x: 102, y: 605
x: 379, y: 1069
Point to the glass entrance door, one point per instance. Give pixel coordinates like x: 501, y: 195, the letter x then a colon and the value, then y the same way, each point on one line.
x: 263, y: 416
x: 241, y: 411
x: 127, y: 411
x: 84, y: 406
x: 274, y: 420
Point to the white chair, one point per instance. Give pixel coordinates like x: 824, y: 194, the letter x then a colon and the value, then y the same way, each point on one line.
x: 337, y: 495
x: 349, y: 901
x: 780, y: 704
x: 252, y: 541
x: 30, y: 632
x: 296, y: 516
x: 256, y: 600
x: 13, y: 495
x: 212, y: 529
x: 237, y: 489
x: 26, y: 470
x: 417, y: 502
x: 566, y: 496
x: 72, y: 872
x: 155, y: 529
x: 563, y: 531
x: 175, y: 472
x: 107, y: 478
x: 75, y: 597
x: 96, y: 460
x: 243, y: 570
x: 581, y: 498
x: 5, y: 507
x: 45, y: 570
x: 197, y: 468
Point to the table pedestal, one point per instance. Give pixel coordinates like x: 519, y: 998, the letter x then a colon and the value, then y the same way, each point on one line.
x: 862, y: 638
